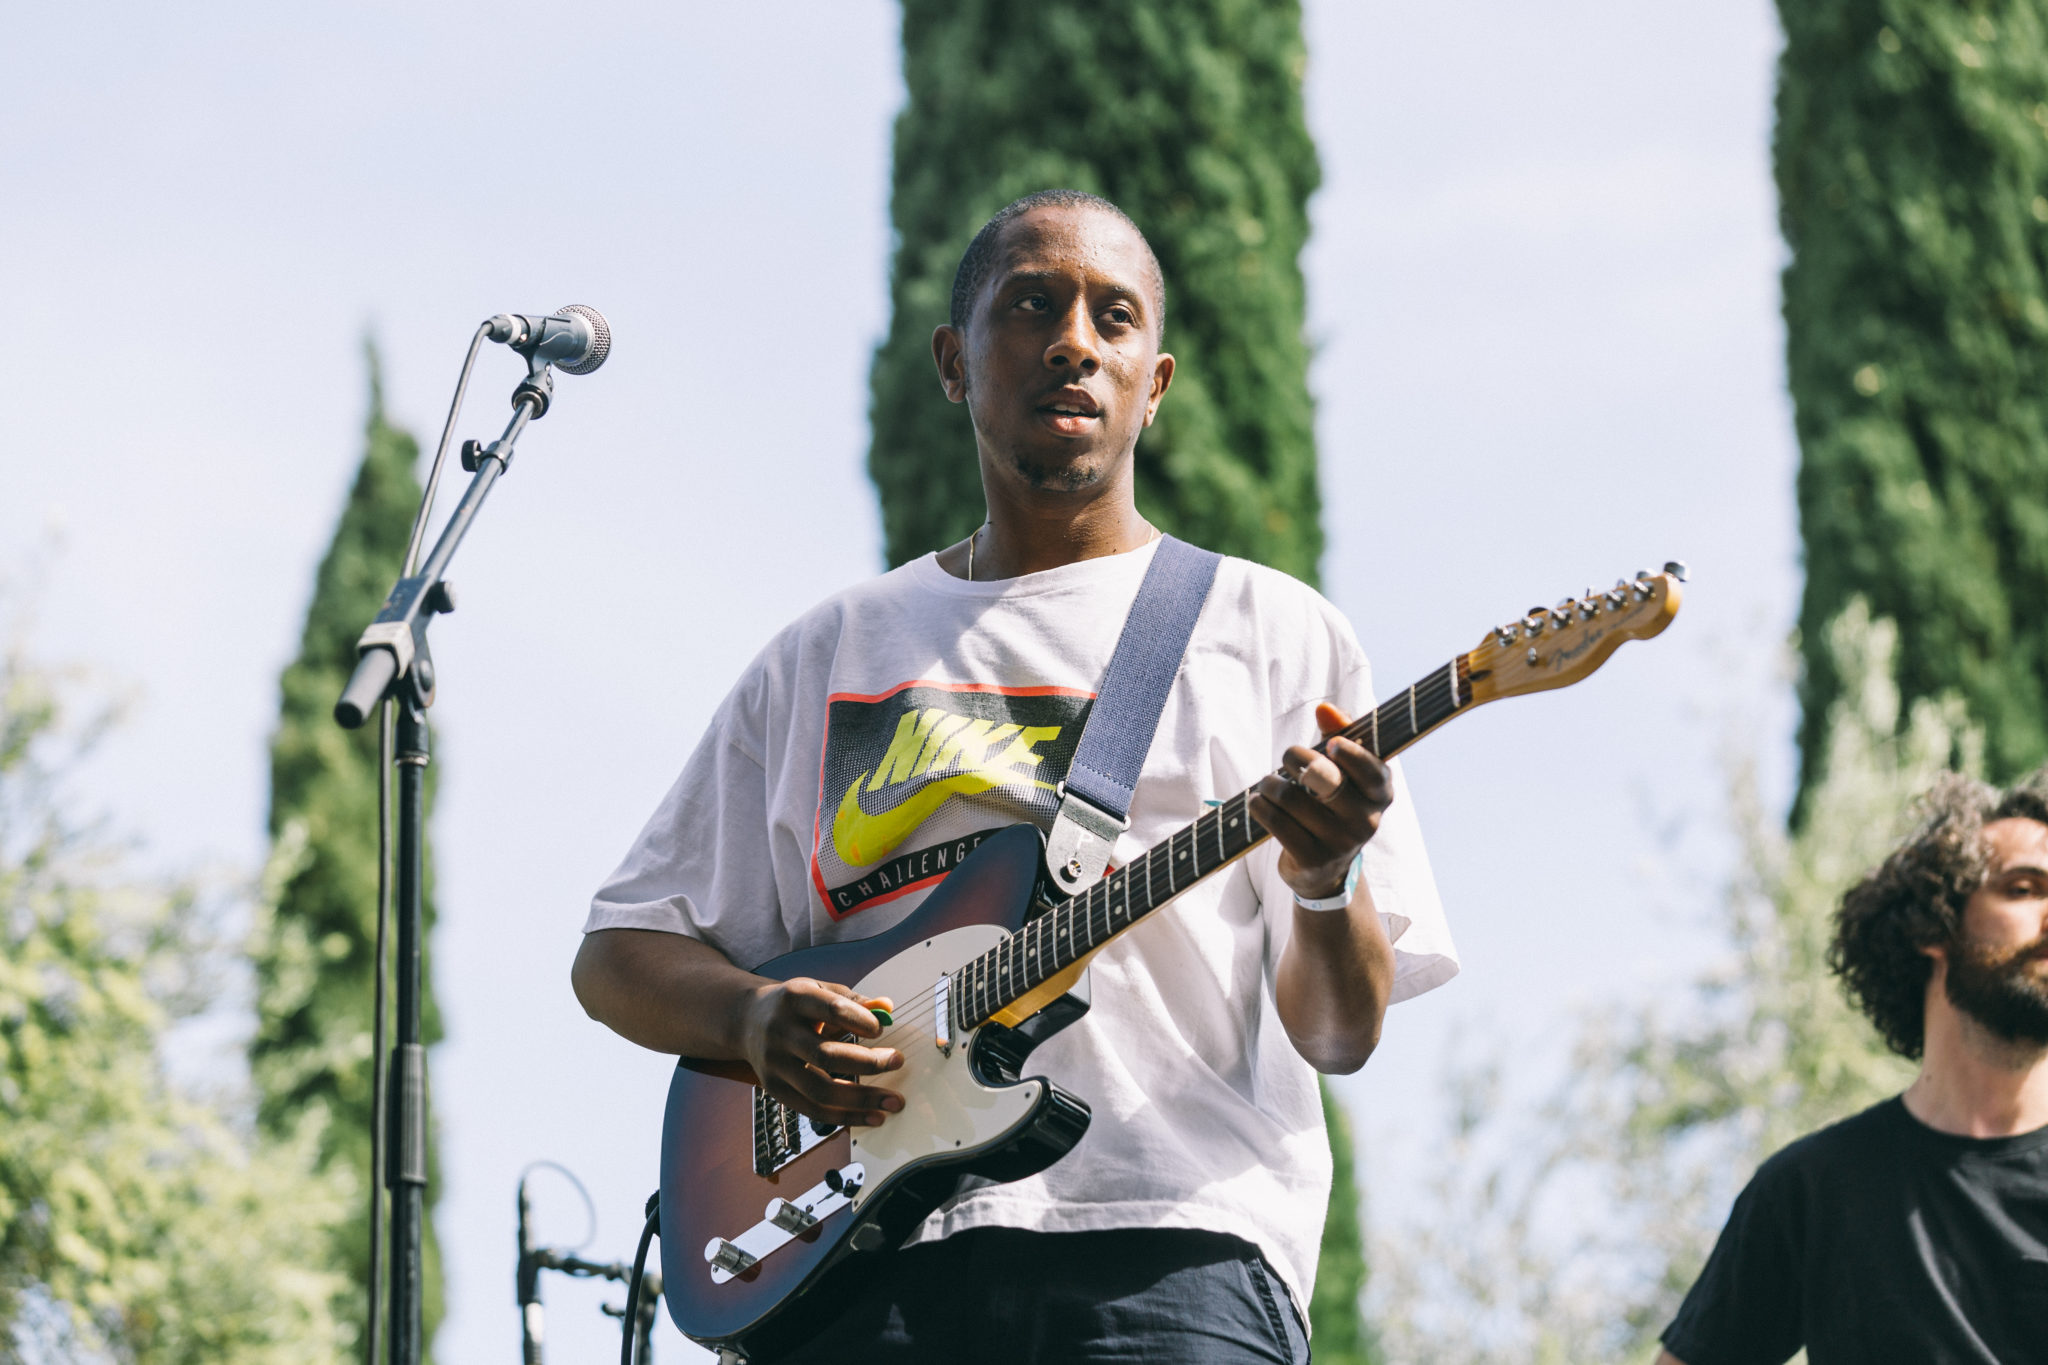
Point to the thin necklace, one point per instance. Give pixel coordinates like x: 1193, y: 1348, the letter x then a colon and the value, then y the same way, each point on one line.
x: 1156, y: 533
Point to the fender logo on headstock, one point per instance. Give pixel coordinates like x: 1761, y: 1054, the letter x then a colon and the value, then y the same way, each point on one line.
x: 1557, y: 646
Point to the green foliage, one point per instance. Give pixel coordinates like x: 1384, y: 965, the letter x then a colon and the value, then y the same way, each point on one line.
x: 1912, y: 161
x: 1666, y: 1113
x: 1188, y: 116
x: 314, y: 950
x: 1341, y: 1334
x: 136, y: 1223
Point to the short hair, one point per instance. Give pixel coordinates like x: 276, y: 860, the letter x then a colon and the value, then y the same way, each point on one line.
x: 980, y: 256
x: 1914, y: 900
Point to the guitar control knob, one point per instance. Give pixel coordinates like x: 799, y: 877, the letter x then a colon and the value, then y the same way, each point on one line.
x: 790, y: 1217
x: 727, y: 1256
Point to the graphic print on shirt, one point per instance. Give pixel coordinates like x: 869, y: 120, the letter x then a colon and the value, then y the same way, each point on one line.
x: 913, y: 779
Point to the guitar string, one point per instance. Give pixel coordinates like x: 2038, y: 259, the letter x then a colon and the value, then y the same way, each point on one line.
x: 1439, y: 691
x: 1437, y: 698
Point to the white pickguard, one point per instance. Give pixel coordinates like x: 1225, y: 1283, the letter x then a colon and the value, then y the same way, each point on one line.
x: 946, y: 1110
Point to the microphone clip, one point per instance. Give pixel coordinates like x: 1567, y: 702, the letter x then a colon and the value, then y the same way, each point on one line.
x: 538, y: 388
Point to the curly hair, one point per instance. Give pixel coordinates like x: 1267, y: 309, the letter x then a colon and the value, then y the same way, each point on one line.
x: 1914, y: 900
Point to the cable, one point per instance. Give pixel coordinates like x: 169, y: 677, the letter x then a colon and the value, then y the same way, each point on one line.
x: 419, y: 521
x: 631, y: 1317
x: 589, y: 1206
x: 380, y: 1083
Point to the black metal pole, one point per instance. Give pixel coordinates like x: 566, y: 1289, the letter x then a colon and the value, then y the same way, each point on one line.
x: 393, y: 660
x: 407, y: 1175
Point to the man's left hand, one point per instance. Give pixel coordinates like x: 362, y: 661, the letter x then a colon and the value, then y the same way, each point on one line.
x: 1323, y: 807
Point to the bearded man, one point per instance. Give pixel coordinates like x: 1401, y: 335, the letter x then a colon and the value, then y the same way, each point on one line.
x: 1917, y: 1230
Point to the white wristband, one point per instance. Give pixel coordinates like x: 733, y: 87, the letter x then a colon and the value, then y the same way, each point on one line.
x: 1340, y: 901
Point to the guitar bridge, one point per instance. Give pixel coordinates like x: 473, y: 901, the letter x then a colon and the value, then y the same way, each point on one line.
x: 781, y: 1135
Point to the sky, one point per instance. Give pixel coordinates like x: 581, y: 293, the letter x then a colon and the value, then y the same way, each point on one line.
x: 1543, y: 300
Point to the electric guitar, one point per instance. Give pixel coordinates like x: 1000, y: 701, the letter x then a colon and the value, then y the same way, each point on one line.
x: 761, y: 1206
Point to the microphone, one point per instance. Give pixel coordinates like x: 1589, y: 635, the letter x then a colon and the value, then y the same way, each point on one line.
x: 574, y: 338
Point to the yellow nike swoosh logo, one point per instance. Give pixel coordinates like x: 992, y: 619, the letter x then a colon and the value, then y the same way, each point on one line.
x: 861, y: 838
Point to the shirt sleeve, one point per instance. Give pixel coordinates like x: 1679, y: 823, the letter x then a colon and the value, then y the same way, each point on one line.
x: 1394, y: 866
x: 702, y: 866
x: 1745, y: 1307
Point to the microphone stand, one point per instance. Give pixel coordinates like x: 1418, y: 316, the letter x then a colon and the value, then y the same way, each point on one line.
x: 394, y: 661
x: 526, y: 1283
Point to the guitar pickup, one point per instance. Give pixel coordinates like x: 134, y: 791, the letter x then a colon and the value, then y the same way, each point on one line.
x: 942, y: 1015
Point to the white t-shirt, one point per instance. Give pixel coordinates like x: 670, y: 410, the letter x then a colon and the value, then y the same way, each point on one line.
x: 872, y: 741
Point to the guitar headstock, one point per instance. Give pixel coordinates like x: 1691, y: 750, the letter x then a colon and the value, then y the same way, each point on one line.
x: 1556, y: 646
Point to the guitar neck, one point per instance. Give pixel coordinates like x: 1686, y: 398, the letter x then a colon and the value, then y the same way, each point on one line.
x: 1070, y: 931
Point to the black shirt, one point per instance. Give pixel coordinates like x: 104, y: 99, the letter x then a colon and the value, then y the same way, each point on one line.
x: 1880, y: 1240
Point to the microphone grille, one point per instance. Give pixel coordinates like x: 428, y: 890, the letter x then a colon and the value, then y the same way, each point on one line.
x: 600, y: 338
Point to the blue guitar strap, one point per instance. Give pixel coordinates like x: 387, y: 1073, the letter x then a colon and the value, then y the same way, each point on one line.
x: 1095, y: 800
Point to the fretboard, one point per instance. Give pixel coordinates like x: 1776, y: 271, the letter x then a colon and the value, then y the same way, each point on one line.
x: 1070, y: 931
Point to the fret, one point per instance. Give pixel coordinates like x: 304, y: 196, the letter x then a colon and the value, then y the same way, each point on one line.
x: 1070, y: 931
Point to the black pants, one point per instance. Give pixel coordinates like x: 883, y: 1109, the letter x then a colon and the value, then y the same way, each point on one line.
x: 1002, y: 1296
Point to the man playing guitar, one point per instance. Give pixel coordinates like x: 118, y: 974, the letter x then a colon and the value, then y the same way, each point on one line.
x: 877, y: 739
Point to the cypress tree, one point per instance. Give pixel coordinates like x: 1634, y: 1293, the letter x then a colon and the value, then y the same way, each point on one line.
x: 314, y: 951
x: 1188, y: 116
x: 1912, y: 163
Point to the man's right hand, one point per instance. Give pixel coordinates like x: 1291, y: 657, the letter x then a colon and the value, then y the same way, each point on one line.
x: 794, y: 1034
x: 677, y: 995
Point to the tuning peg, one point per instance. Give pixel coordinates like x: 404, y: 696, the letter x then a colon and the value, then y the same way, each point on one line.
x: 1533, y: 619
x: 1561, y: 614
x: 1617, y: 596
x: 1506, y: 634
x: 1589, y: 603
x: 1676, y: 568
